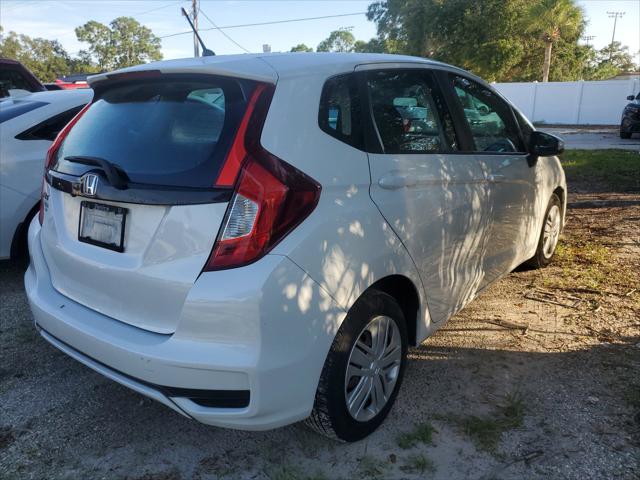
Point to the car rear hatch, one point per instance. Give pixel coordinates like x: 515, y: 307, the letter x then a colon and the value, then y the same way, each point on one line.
x: 135, y: 192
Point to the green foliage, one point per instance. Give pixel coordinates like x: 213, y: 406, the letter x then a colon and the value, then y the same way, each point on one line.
x: 370, y: 467
x: 499, y: 40
x: 301, y: 47
x: 341, y: 40
x: 123, y: 43
x: 486, y: 430
x: 616, y: 170
x: 423, y: 433
x: 611, y: 61
x: 47, y: 59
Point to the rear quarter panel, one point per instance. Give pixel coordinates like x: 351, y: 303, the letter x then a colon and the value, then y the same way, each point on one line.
x: 345, y: 244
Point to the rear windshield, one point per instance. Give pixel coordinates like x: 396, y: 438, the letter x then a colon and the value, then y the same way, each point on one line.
x: 160, y: 132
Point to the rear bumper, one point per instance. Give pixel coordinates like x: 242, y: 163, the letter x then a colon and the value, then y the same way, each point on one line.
x: 242, y: 332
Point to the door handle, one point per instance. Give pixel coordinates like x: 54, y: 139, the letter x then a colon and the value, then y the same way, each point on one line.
x: 496, y: 178
x: 396, y: 181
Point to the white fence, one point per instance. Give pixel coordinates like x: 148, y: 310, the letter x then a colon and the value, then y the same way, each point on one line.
x: 571, y: 103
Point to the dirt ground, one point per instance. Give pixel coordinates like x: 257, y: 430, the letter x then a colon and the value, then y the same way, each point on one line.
x: 536, y: 379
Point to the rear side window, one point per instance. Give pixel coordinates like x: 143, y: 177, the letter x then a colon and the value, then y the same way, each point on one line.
x: 165, y: 132
x: 339, y: 114
x: 491, y: 120
x: 409, y: 112
x: 49, y: 129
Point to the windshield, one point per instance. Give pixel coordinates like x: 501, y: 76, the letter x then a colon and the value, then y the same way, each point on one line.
x: 174, y: 132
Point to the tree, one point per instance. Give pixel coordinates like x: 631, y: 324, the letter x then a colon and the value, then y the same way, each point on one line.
x: 375, y: 45
x: 553, y: 20
x: 341, y: 40
x: 499, y: 40
x: 482, y: 36
x: 123, y: 43
x: 301, y: 47
x: 617, y: 56
x: 47, y: 59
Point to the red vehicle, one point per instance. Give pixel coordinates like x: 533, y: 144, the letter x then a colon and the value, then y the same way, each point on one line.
x: 15, y: 76
x: 72, y: 81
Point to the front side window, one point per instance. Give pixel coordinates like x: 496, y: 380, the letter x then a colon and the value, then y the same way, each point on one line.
x: 339, y: 114
x: 409, y: 112
x: 490, y: 119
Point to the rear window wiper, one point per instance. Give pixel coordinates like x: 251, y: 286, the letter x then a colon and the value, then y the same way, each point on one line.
x: 116, y: 176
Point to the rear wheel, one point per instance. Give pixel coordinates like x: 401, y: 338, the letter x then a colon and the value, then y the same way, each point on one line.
x: 363, y: 370
x: 549, y: 235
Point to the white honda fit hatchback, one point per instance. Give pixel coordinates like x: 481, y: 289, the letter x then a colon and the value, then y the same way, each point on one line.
x: 256, y: 240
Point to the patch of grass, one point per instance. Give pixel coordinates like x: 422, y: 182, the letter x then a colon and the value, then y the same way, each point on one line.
x: 586, y: 264
x: 371, y: 467
x: 418, y: 464
x: 486, y: 431
x: 617, y: 170
x: 423, y: 433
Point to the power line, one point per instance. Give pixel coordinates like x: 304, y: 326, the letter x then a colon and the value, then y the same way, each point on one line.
x: 158, y: 8
x: 268, y: 23
x: 221, y: 31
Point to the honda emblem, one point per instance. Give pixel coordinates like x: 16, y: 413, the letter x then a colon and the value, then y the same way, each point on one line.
x: 89, y: 184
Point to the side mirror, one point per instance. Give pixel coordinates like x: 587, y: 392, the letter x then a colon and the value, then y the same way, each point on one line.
x: 631, y: 97
x: 545, y: 145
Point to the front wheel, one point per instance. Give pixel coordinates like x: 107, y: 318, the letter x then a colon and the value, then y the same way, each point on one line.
x: 548, y: 240
x: 363, y: 370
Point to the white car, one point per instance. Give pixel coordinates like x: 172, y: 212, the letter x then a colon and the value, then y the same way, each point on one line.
x: 256, y: 240
x: 28, y: 124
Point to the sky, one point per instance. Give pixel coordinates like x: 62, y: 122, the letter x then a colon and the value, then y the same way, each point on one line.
x: 56, y: 19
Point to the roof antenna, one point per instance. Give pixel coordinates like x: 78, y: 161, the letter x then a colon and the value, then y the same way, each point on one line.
x: 205, y: 51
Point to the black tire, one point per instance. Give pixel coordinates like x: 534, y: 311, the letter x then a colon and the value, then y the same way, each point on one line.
x: 330, y: 415
x: 625, y: 135
x: 540, y: 260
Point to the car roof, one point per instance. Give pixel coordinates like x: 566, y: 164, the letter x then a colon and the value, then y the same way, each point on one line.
x: 269, y: 67
x: 41, y: 104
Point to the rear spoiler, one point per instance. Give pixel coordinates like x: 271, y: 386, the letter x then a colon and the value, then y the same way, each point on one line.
x: 247, y: 67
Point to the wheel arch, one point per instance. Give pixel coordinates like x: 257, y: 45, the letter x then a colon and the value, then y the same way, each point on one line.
x: 404, y: 291
x: 19, y: 241
x: 560, y: 192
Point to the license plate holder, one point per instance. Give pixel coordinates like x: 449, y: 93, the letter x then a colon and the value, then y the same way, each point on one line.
x: 102, y: 225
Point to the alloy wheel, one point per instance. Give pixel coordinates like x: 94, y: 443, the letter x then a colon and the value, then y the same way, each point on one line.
x: 373, y: 368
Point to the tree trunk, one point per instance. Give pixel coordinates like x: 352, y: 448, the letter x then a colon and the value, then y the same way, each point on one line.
x: 547, y: 62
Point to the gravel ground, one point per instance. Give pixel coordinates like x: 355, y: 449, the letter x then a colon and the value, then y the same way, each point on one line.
x: 511, y: 388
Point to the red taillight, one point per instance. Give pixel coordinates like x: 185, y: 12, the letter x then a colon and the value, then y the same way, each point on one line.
x: 270, y: 197
x: 51, y: 155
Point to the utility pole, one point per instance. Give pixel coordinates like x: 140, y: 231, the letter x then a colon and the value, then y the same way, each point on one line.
x: 588, y: 39
x: 194, y: 15
x: 615, y: 16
